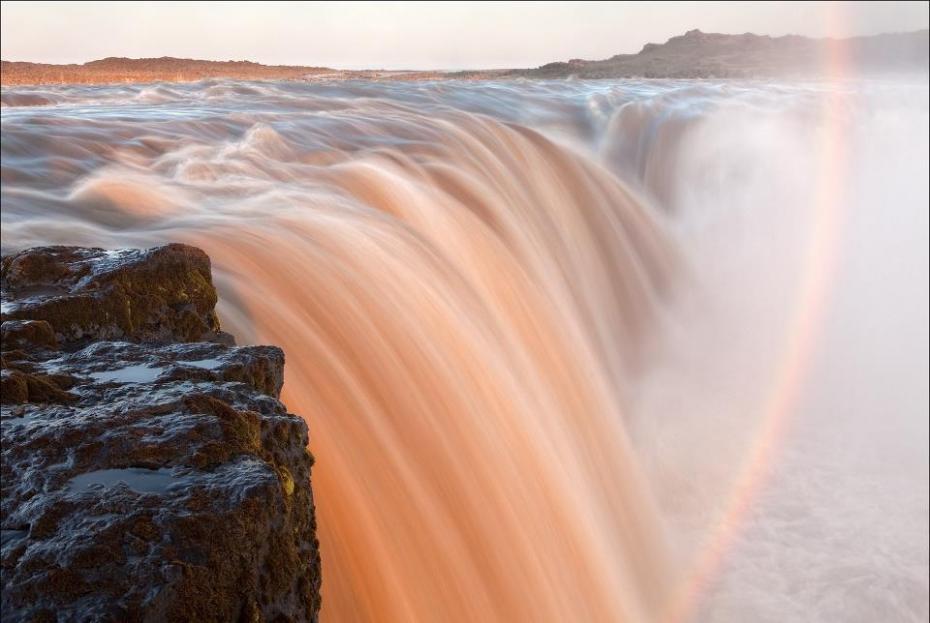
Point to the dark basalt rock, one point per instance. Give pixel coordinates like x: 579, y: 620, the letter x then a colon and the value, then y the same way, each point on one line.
x: 160, y: 295
x: 150, y: 479
x: 28, y: 334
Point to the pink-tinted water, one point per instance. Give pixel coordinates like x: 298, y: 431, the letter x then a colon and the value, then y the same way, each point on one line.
x: 541, y: 332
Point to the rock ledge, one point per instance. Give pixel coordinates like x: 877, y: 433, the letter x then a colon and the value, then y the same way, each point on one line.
x: 149, y: 471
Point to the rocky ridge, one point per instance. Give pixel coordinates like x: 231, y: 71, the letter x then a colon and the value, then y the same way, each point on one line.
x: 149, y: 470
x: 697, y: 54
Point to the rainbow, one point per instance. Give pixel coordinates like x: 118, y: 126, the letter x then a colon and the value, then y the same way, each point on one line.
x: 781, y: 402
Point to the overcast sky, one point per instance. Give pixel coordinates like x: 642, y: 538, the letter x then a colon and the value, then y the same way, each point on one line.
x: 412, y: 35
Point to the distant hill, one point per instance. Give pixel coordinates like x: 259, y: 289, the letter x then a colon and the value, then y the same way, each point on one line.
x: 168, y: 69
x: 694, y: 54
x: 704, y: 55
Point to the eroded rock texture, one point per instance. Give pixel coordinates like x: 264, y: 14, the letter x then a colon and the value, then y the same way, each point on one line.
x: 154, y: 478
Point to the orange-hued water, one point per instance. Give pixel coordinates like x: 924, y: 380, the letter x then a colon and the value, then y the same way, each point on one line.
x: 459, y: 300
x: 453, y: 334
x: 550, y: 338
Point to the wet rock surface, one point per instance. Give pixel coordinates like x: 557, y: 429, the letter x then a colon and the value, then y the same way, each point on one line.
x: 158, y: 295
x: 154, y: 478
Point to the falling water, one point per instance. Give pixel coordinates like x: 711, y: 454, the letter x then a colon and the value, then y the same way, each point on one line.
x: 515, y: 314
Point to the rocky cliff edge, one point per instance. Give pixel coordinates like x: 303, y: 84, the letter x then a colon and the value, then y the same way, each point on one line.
x: 149, y: 470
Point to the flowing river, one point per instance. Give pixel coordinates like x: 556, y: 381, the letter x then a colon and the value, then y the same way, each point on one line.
x: 569, y: 351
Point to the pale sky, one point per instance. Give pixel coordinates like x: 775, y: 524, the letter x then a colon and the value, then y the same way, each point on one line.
x: 412, y: 35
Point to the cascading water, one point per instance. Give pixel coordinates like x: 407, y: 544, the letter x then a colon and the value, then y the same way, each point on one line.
x: 514, y: 366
